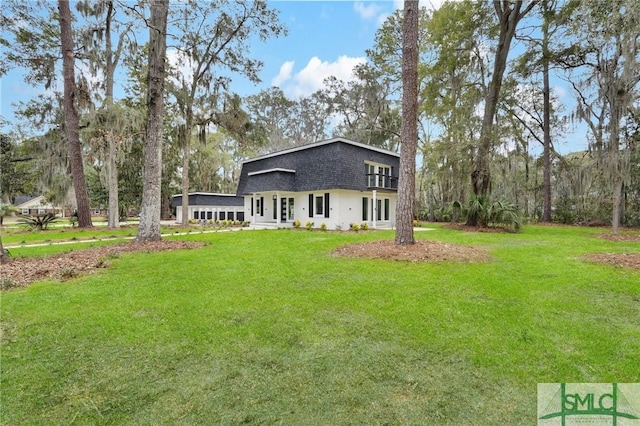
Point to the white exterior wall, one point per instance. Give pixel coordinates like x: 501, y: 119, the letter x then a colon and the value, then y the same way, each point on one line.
x: 215, y: 212
x: 345, y: 208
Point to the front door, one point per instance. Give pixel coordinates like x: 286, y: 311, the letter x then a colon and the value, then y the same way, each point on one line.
x: 286, y: 209
x: 283, y: 209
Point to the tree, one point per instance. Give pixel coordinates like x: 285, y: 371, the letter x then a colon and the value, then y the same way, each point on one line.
x: 365, y: 107
x: 213, y: 39
x: 454, y: 86
x: 607, y: 53
x: 409, y: 132
x: 16, y: 173
x: 509, y: 14
x: 103, y: 61
x: 71, y: 117
x: 149, y: 227
x: 5, y: 210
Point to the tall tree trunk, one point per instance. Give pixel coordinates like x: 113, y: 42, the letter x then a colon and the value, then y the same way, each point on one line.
x: 186, y: 157
x: 185, y: 135
x: 112, y: 180
x: 617, y: 204
x: 149, y: 227
x: 409, y: 131
x: 71, y: 117
x: 112, y: 166
x: 509, y: 15
x: 546, y: 95
x: 3, y: 255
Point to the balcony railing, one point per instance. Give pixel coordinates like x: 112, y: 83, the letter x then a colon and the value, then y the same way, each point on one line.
x: 381, y: 181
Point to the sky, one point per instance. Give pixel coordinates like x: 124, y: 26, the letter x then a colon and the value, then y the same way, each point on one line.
x: 325, y: 37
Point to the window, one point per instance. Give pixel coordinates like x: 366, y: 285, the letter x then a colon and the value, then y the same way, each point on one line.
x: 383, y: 176
x: 260, y: 206
x: 275, y: 207
x: 386, y: 209
x: 25, y: 212
x: 290, y: 208
x: 319, y: 205
x: 319, y: 211
x: 379, y: 209
x: 378, y: 175
x: 371, y: 174
x: 365, y: 208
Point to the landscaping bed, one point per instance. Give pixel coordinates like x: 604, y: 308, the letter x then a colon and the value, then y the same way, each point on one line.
x: 23, y: 271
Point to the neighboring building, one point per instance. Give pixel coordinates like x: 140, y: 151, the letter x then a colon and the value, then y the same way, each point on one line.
x: 209, y: 206
x: 30, y: 206
x: 337, y: 182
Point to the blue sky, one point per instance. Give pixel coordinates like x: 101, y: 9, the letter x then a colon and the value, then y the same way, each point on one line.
x: 325, y: 38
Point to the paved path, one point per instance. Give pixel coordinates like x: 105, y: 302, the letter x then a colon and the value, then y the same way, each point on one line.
x: 173, y: 234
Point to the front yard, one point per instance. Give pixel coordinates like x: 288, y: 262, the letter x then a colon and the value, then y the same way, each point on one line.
x: 263, y: 327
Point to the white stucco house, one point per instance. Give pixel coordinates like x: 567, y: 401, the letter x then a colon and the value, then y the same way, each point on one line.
x: 336, y: 182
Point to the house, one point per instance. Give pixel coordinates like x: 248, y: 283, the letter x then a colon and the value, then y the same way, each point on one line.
x: 336, y: 182
x: 30, y: 205
x: 36, y: 205
x: 210, y: 206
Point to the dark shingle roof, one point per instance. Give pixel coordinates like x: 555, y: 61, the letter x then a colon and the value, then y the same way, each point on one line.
x: 209, y: 199
x: 332, y: 164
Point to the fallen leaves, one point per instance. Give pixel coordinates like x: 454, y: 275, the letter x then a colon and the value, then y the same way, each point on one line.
x: 421, y: 251
x: 22, y: 271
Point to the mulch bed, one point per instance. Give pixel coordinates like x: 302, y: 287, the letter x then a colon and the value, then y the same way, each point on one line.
x: 421, y: 251
x: 21, y: 272
x: 623, y: 260
x: 627, y: 238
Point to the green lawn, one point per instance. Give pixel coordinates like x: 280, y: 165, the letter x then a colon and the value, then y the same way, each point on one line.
x: 264, y: 327
x: 21, y: 235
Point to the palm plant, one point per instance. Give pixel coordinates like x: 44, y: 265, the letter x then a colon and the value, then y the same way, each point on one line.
x: 5, y: 210
x: 40, y: 221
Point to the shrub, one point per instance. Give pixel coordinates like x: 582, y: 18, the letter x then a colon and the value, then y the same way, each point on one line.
x: 364, y: 226
x: 40, y: 222
x: 415, y: 223
x: 506, y: 214
x: 296, y: 223
x: 323, y: 226
x: 308, y: 225
x: 355, y: 227
x: 482, y: 212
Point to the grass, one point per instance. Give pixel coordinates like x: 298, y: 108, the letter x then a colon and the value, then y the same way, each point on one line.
x: 17, y: 237
x: 266, y: 327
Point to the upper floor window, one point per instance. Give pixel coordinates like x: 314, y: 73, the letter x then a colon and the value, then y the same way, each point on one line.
x: 378, y: 175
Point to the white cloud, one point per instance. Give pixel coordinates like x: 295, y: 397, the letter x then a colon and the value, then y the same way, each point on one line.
x: 367, y: 12
x: 310, y: 78
x: 178, y: 61
x: 284, y: 74
x: 560, y: 92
